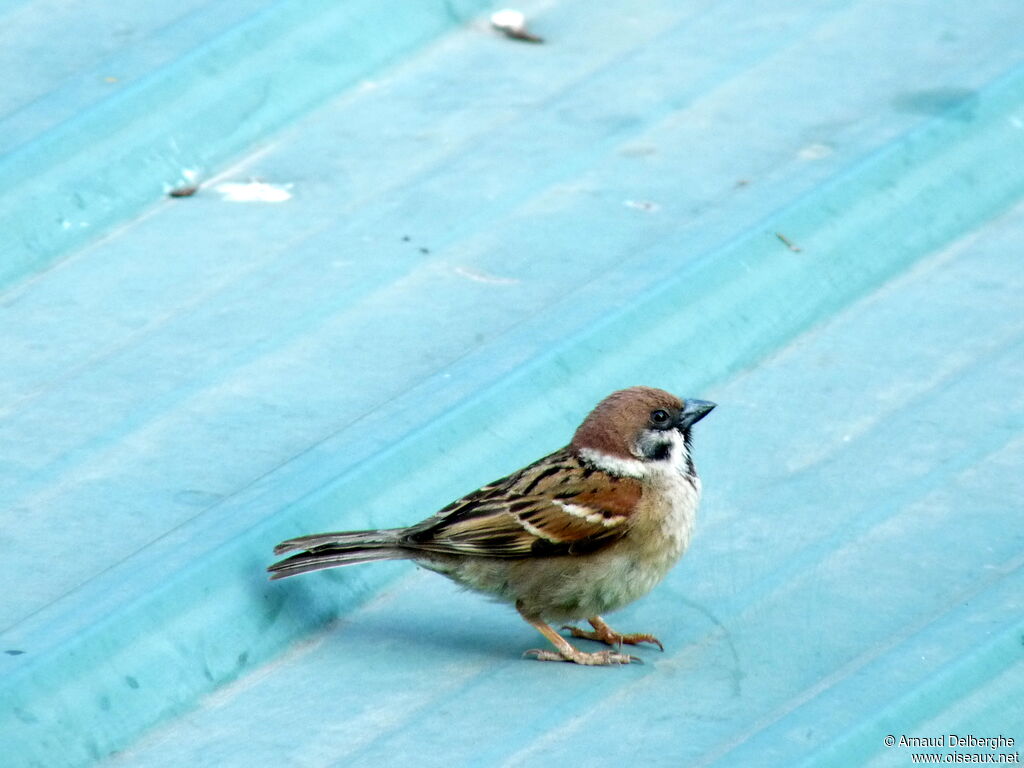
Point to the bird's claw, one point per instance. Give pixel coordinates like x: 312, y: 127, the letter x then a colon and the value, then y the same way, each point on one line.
x: 615, y: 639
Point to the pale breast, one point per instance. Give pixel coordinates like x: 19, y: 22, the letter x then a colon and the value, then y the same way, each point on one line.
x: 666, y: 519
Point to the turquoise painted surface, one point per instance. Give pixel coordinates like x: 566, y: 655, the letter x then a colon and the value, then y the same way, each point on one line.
x: 482, y: 239
x: 164, y: 94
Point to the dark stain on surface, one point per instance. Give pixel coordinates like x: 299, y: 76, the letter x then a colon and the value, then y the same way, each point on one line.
x: 950, y: 103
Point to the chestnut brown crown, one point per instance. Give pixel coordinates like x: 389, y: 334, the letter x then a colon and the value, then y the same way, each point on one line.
x: 617, y: 421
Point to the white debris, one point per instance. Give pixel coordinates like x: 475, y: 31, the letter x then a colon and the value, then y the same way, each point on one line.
x: 508, y: 20
x: 642, y: 205
x: 254, y: 192
x: 483, y: 277
x: 513, y: 24
x: 815, y: 152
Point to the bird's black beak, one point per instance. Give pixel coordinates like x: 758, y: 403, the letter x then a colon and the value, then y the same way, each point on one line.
x: 693, y: 411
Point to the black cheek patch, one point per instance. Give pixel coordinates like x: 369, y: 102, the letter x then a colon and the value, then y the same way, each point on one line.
x: 659, y: 452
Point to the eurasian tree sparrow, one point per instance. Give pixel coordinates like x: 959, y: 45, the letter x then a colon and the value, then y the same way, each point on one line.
x: 581, y: 532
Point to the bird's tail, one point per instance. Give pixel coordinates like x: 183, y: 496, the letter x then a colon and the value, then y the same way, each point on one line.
x: 331, y: 550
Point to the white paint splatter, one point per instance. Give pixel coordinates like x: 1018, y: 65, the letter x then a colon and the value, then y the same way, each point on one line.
x: 815, y: 152
x: 642, y: 205
x: 508, y: 19
x: 254, y: 192
x: 481, y: 277
x: 512, y: 24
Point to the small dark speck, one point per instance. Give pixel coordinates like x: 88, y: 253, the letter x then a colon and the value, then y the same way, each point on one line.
x: 406, y: 238
x: 424, y: 250
x: 243, y: 658
x: 132, y: 682
x: 14, y: 652
x: 184, y: 191
x: 742, y: 182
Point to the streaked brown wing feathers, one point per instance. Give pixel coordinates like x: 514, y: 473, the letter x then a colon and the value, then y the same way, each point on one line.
x: 556, y: 506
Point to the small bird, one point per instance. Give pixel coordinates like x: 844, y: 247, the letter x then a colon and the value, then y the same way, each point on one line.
x: 577, y: 534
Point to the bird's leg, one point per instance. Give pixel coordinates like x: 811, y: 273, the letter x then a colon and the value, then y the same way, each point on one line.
x: 566, y: 651
x: 605, y: 634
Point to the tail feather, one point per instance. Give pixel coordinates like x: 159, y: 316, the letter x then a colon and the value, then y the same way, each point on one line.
x: 304, y: 562
x: 330, y: 550
x: 386, y: 537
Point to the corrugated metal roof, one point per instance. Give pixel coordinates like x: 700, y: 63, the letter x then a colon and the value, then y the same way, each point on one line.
x: 809, y: 213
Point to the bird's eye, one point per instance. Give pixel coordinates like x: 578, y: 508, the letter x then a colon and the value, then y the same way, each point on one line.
x: 660, y: 418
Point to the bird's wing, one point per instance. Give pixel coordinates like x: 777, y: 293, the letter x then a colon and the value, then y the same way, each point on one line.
x: 557, y: 506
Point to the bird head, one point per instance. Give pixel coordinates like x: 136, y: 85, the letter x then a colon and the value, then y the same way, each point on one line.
x: 637, y: 426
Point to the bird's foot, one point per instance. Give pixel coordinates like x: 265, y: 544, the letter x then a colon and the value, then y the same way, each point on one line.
x: 604, y: 634
x: 565, y: 650
x: 596, y: 659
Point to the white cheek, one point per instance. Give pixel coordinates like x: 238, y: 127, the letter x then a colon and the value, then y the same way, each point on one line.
x: 680, y: 454
x: 678, y: 458
x: 640, y: 468
x: 615, y: 465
